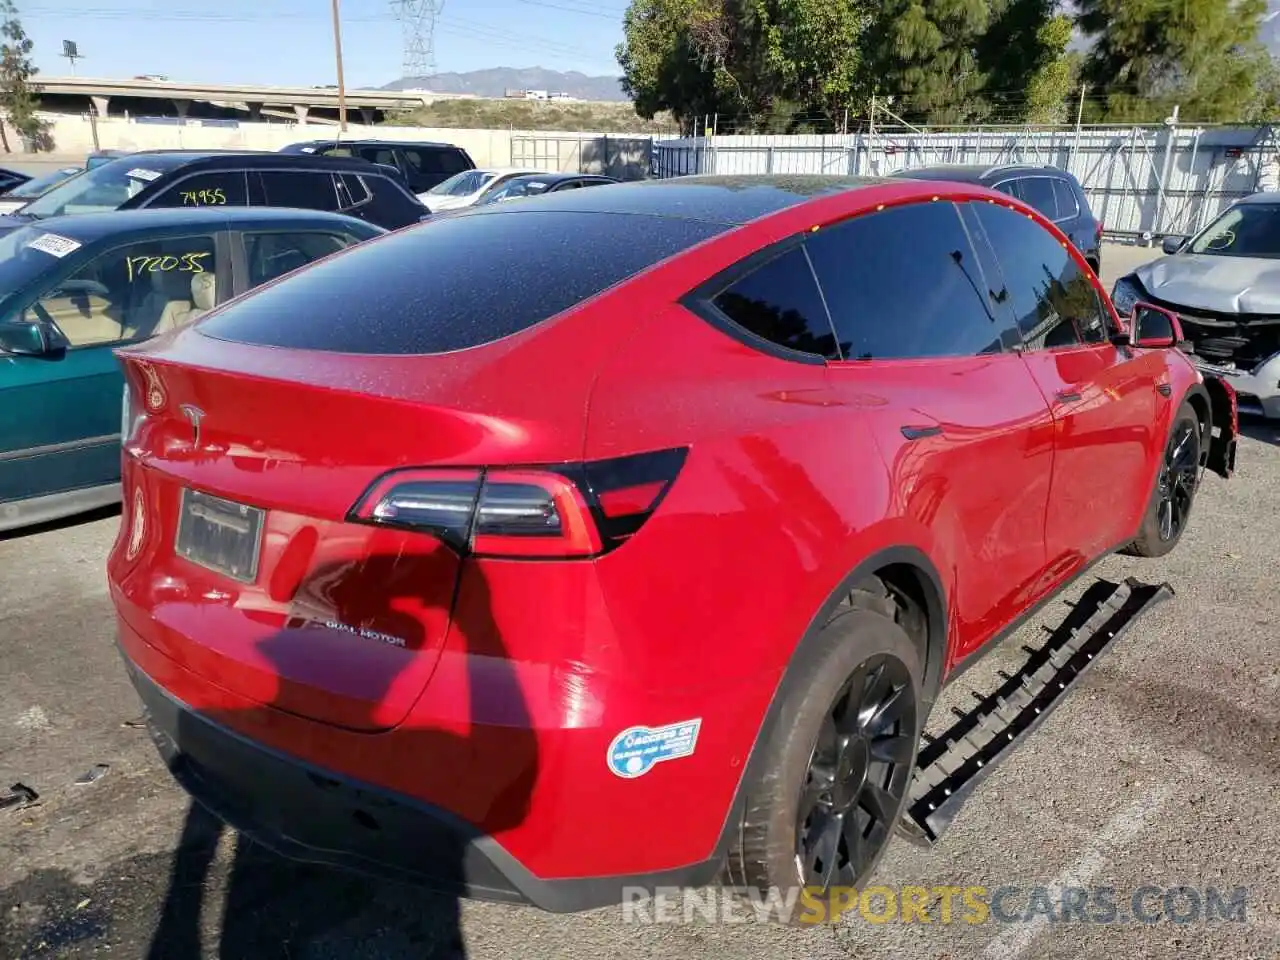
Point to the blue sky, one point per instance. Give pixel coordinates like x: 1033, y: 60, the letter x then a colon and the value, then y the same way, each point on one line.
x: 290, y: 42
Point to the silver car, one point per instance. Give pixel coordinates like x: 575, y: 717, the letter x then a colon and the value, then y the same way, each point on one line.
x: 1224, y: 284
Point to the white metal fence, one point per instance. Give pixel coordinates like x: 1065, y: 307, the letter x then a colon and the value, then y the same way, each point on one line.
x: 1141, y: 181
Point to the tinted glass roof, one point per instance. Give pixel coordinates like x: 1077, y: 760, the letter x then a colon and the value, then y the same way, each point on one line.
x: 456, y: 282
x: 721, y: 199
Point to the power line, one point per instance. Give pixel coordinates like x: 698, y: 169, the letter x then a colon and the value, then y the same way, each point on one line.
x: 418, y: 26
x: 596, y: 12
x: 458, y: 26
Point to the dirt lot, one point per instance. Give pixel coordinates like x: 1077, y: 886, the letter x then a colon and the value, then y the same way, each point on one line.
x: 1161, y: 769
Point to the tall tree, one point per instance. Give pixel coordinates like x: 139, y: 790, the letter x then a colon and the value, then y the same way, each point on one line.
x: 923, y: 54
x: 754, y: 61
x: 1024, y: 57
x: 1148, y: 55
x: 18, y: 99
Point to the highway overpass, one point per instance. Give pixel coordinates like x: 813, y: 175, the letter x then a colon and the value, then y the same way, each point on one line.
x: 139, y: 97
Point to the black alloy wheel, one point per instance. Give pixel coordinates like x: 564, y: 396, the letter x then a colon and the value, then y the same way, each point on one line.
x: 1179, y: 474
x: 859, y: 772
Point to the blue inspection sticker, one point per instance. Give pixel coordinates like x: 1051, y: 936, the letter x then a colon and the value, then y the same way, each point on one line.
x: 635, y: 750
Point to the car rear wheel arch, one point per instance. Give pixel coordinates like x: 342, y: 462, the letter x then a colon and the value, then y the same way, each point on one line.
x: 912, y: 585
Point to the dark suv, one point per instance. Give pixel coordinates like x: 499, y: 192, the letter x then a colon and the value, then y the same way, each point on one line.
x: 1051, y: 190
x: 187, y: 178
x: 423, y: 165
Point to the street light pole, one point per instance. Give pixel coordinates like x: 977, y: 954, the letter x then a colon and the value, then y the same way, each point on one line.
x: 337, y: 49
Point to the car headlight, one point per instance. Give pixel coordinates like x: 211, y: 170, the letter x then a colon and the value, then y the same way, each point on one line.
x: 1125, y: 295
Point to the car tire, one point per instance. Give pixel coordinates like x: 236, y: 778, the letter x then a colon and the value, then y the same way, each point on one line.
x: 861, y: 657
x: 1169, y: 508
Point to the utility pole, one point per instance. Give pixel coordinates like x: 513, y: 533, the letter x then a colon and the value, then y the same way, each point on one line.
x: 337, y: 50
x: 1075, y: 148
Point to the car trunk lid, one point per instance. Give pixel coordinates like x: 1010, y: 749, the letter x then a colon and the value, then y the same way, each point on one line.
x: 248, y: 467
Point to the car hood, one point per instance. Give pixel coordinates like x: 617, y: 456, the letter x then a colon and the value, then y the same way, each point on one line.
x: 1214, y: 283
x: 8, y: 224
x: 435, y: 203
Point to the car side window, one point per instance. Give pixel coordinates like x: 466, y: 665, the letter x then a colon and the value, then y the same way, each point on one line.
x: 377, y: 200
x: 1065, y: 199
x: 1009, y: 187
x: 134, y: 291
x: 213, y: 189
x: 780, y: 302
x: 1055, y: 303
x: 904, y: 283
x: 300, y: 189
x: 271, y: 255
x: 380, y: 155
x: 1038, y: 192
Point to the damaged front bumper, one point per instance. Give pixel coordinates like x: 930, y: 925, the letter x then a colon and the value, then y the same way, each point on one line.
x: 1257, y: 390
x: 1223, y: 430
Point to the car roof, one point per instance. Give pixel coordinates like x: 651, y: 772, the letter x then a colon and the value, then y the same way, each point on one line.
x: 91, y: 227
x: 173, y: 159
x: 976, y: 172
x: 560, y: 176
x: 721, y: 198
x: 374, y: 141
x: 1265, y: 196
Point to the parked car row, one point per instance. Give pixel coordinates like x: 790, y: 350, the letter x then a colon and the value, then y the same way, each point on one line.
x: 188, y: 230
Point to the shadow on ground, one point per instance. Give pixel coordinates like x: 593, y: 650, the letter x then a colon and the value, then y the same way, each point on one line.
x: 1261, y: 430
x: 80, y: 519
x: 249, y: 904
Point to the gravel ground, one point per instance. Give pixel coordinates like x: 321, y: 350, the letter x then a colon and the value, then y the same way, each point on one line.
x: 1162, y: 768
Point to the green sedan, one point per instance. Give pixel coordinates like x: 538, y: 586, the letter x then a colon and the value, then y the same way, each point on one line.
x: 73, y: 289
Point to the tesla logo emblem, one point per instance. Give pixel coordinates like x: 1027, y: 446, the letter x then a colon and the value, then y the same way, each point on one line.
x: 195, y: 415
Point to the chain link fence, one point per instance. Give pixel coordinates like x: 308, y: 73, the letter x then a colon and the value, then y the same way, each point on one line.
x: 1142, y: 182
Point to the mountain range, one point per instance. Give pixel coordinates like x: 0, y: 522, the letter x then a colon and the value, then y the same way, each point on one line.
x: 496, y: 81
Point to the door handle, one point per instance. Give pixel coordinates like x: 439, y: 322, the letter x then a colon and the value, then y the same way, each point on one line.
x: 1068, y: 396
x: 919, y: 433
x: 1166, y: 389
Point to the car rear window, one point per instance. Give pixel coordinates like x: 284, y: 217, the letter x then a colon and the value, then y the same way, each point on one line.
x: 456, y: 282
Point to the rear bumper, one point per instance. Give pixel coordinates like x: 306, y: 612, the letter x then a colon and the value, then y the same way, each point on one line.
x: 305, y: 813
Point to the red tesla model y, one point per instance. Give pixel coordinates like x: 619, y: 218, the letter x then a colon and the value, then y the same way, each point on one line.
x: 612, y: 537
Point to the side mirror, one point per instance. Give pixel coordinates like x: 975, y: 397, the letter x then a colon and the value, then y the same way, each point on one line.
x: 1155, y: 327
x: 31, y: 338
x: 1172, y: 245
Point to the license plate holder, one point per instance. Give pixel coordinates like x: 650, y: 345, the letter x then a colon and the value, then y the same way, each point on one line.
x: 219, y: 535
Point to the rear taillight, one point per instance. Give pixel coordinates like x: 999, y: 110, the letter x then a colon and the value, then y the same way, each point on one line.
x: 1100, y: 229
x: 564, y: 511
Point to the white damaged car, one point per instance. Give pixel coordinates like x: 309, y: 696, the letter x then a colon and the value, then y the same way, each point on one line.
x: 1224, y: 284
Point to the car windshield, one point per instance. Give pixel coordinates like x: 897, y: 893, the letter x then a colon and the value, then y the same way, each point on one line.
x: 462, y: 184
x: 99, y: 189
x: 1246, y: 230
x: 20, y: 262
x: 33, y: 188
x: 518, y: 187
